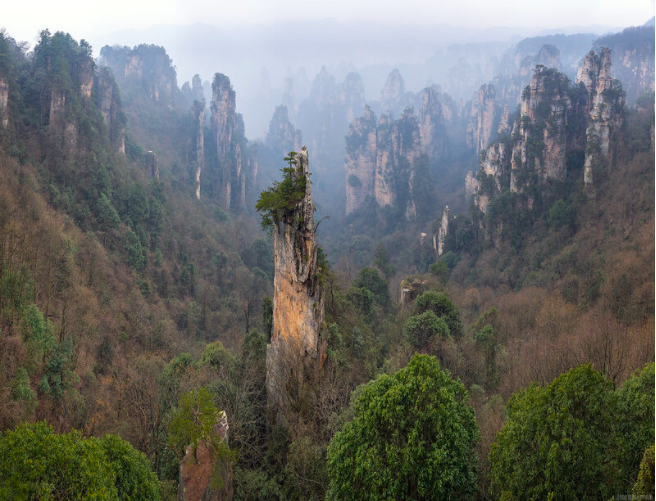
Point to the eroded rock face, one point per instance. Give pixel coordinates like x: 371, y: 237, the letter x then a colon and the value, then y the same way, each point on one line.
x: 146, y: 68
x: 393, y: 93
x: 4, y: 103
x: 57, y: 110
x: 432, y: 118
x: 86, y: 79
x: 381, y: 159
x: 224, y: 127
x: 555, y: 119
x: 282, y: 135
x: 605, y: 107
x: 197, y: 473
x: 442, y: 232
x: 399, y: 147
x: 482, y: 118
x: 361, y: 160
x: 633, y: 58
x: 108, y: 102
x: 471, y: 186
x: 198, y: 115
x: 153, y: 164
x: 544, y: 111
x: 298, y: 311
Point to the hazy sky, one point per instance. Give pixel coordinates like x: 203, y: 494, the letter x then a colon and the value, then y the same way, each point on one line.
x: 84, y: 19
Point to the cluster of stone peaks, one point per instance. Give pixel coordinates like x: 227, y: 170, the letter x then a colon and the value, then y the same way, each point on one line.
x: 555, y: 119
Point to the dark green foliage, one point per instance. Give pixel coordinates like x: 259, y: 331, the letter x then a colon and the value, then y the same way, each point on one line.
x: 572, y: 436
x: 644, y: 485
x: 134, y: 476
x: 421, y: 329
x: 412, y: 437
x: 362, y: 298
x: 635, y: 419
x: 106, y: 216
x: 561, y: 214
x: 267, y: 317
x: 370, y: 279
x: 443, y: 307
x: 193, y: 421
x: 36, y: 463
x: 277, y: 203
x: 382, y: 261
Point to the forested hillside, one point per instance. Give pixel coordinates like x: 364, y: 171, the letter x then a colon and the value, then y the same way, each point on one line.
x: 500, y: 349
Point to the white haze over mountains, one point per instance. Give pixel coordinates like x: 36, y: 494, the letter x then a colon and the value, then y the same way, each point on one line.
x: 258, y: 43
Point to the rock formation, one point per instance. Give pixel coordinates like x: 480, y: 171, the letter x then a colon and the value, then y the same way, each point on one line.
x: 543, y: 127
x: 235, y: 167
x: 86, y: 79
x: 605, y: 107
x: 282, y: 137
x: 197, y: 480
x: 432, y: 120
x: 146, y: 68
x: 324, y: 118
x: 398, y: 148
x: 193, y: 92
x: 482, y: 118
x: 471, y: 186
x: 442, y: 232
x: 153, y: 164
x: 633, y: 54
x: 361, y: 160
x: 555, y: 119
x: 504, y: 123
x: 298, y: 312
x: 380, y: 161
x: 198, y: 116
x: 4, y: 102
x: 108, y: 101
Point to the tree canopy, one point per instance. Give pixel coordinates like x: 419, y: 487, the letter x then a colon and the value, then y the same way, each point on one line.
x: 572, y: 439
x: 412, y: 437
x: 37, y: 463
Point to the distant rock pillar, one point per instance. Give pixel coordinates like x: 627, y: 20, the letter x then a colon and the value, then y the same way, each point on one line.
x: 153, y: 165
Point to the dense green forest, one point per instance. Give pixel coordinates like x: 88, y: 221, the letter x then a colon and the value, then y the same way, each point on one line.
x: 135, y: 317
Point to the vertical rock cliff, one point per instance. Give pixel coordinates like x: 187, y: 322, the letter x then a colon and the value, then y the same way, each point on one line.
x: 381, y: 159
x: 555, y: 119
x: 482, y: 118
x: 399, y: 147
x: 442, y: 232
x: 109, y: 103
x: 4, y: 102
x: 543, y: 126
x: 298, y: 311
x: 145, y: 68
x: 232, y: 150
x: 605, y: 105
x: 282, y: 136
x: 361, y: 160
x: 432, y: 128
x: 198, y: 116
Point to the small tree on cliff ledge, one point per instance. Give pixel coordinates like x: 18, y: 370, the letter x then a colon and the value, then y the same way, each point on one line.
x: 278, y: 202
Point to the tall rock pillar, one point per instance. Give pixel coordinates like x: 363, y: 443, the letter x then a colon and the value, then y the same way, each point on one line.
x: 298, y: 313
